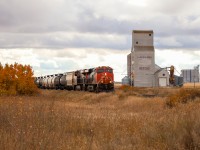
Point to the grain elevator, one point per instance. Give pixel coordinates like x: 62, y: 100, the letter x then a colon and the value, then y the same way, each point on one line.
x: 141, y: 68
x: 143, y: 58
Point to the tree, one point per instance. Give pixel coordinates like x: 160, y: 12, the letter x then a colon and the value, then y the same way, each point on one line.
x: 17, y: 79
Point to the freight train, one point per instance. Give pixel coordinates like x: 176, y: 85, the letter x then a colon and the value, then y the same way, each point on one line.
x: 93, y: 79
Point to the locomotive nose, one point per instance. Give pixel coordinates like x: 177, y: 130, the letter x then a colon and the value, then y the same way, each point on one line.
x: 106, y: 79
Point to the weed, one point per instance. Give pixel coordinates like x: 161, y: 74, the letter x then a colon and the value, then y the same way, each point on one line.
x: 182, y: 96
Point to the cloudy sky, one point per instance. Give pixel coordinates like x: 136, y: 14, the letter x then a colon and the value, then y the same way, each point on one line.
x: 62, y: 35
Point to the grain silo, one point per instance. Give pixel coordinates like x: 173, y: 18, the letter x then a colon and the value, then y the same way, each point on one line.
x: 143, y: 58
x: 190, y: 75
x: 126, y: 80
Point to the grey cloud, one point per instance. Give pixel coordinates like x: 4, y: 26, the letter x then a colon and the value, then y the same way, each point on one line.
x: 54, y: 66
x: 35, y: 15
x: 174, y: 7
x: 102, y: 24
x: 58, y: 41
x: 183, y: 43
x: 60, y: 55
x: 38, y: 24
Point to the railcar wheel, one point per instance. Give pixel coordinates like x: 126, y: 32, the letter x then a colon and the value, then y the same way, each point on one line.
x: 97, y: 90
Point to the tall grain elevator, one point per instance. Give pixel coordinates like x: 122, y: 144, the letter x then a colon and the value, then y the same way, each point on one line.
x: 142, y: 59
x: 141, y: 68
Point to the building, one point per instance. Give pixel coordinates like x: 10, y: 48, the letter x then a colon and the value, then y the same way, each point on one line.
x: 126, y: 80
x: 190, y: 75
x: 161, y: 77
x: 141, y: 68
x: 129, y: 65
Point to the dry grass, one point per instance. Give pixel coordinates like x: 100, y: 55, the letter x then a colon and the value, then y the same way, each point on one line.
x: 126, y: 119
x: 192, y: 85
x: 184, y: 95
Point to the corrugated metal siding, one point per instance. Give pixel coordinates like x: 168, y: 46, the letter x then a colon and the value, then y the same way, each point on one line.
x: 178, y: 81
x: 143, y: 58
x: 129, y: 65
x: 144, y: 67
x: 126, y: 80
x: 141, y: 38
x: 190, y: 75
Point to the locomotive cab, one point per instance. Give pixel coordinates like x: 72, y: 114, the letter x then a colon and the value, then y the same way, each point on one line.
x: 105, y: 78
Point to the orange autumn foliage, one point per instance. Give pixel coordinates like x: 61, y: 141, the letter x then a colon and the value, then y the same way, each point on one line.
x: 17, y: 79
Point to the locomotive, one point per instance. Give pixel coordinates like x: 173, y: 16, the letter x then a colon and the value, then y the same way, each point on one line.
x: 94, y: 79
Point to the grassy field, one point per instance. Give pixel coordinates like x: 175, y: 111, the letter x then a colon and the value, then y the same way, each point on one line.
x: 129, y: 118
x: 192, y: 85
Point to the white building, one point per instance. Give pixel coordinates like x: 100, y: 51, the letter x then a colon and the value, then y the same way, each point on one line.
x: 161, y: 78
x: 141, y: 67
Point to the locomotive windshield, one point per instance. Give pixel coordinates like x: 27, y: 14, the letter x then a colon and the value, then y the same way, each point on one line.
x: 109, y: 70
x: 100, y: 70
x: 104, y: 70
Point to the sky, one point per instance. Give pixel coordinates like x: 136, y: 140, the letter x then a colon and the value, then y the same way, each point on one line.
x: 56, y: 36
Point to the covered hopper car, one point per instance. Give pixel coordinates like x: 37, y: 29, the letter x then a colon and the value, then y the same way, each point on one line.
x: 93, y: 79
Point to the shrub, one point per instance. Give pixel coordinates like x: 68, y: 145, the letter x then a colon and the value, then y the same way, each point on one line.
x: 182, y: 96
x: 126, y: 88
x: 17, y: 79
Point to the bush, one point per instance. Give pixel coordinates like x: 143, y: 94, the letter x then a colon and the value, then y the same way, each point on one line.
x: 126, y: 88
x: 182, y: 96
x: 17, y: 79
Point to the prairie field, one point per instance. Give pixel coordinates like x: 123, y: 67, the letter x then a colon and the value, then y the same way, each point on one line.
x: 192, y: 85
x: 129, y: 118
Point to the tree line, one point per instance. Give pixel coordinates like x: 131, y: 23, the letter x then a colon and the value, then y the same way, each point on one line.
x: 17, y: 79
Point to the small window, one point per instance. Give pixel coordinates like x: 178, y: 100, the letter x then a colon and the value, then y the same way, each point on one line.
x: 109, y: 70
x: 149, y: 34
x: 163, y: 74
x: 136, y: 42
